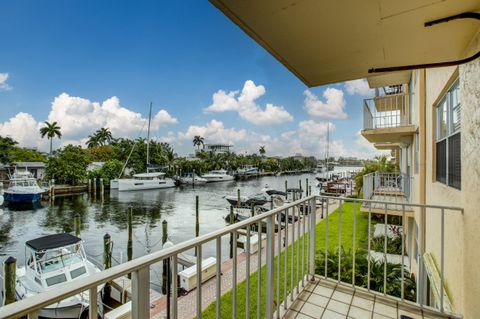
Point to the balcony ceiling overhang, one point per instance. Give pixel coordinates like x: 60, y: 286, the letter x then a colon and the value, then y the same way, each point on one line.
x: 391, y: 78
x: 325, y: 42
x: 400, y: 134
x: 387, y: 146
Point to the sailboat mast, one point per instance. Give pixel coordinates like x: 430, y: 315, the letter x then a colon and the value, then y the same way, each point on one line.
x: 148, y: 137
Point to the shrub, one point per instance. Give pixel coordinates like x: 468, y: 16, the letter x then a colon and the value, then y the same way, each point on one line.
x: 394, y: 271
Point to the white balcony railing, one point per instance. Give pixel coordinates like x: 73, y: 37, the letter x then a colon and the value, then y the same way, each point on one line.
x: 386, y: 182
x: 385, y: 111
x: 294, y: 239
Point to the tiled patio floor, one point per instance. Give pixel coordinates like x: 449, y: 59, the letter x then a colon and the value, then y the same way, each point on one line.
x: 326, y: 299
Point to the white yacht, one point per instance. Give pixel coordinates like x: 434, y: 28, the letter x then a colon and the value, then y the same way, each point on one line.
x: 23, y: 188
x: 247, y: 170
x: 217, y: 176
x: 192, y: 179
x: 143, y: 181
x: 52, y: 261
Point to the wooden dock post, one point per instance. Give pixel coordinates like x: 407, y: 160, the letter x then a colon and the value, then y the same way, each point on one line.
x: 89, y: 186
x: 300, y: 186
x: 306, y: 187
x: 102, y: 187
x: 165, y: 262
x: 286, y: 187
x: 107, y: 263
x: 130, y: 236
x: 9, y: 271
x: 94, y: 185
x: 252, y: 209
x: 77, y: 224
x: 53, y: 188
x: 238, y: 198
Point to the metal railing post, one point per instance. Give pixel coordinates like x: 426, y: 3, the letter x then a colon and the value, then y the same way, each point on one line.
x: 312, y: 224
x: 199, y: 282
x: 141, y: 293
x: 269, y: 266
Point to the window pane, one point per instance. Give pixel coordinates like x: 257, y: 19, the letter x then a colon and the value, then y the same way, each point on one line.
x: 56, y: 279
x: 441, y: 167
x: 442, y: 120
x: 454, y: 161
x: 456, y: 119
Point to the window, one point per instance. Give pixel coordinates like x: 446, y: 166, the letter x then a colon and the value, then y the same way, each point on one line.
x: 77, y: 272
x: 56, y: 280
x: 448, y: 139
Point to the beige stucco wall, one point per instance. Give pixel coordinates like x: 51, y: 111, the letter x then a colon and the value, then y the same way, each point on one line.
x: 470, y: 97
x: 462, y: 232
x: 440, y: 194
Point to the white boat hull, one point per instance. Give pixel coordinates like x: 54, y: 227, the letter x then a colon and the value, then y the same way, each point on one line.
x: 135, y: 184
x: 223, y: 178
x: 114, y: 183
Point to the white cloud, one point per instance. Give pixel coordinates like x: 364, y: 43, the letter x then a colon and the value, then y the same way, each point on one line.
x: 3, y: 82
x: 332, y: 108
x: 214, y: 132
x: 78, y: 117
x: 359, y: 87
x: 244, y: 103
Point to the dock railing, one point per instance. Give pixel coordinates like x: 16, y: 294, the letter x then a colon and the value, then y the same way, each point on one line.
x: 295, y: 239
x: 385, y: 111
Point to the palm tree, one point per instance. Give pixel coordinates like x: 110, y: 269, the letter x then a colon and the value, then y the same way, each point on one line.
x: 92, y: 141
x: 104, y: 136
x: 51, y: 130
x: 197, y: 141
x: 262, y: 150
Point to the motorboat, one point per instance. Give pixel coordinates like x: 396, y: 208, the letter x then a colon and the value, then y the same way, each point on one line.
x: 143, y: 181
x: 217, y: 176
x: 52, y: 261
x: 191, y: 179
x: 247, y: 170
x: 247, y: 201
x: 23, y: 188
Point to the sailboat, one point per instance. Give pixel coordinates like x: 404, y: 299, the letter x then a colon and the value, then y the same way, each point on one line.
x: 147, y: 180
x: 323, y: 176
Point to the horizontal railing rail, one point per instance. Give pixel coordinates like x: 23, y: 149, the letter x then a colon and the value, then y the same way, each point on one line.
x: 386, y: 111
x: 388, y: 232
x: 298, y: 211
x: 290, y: 230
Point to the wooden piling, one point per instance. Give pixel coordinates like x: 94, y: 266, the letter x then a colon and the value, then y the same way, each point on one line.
x: 130, y: 234
x: 77, y: 224
x: 94, y: 185
x: 107, y: 263
x: 53, y: 188
x: 238, y: 198
x: 164, y: 231
x: 306, y: 187
x: 300, y: 186
x: 89, y: 186
x: 9, y: 271
x: 102, y: 187
x: 252, y: 209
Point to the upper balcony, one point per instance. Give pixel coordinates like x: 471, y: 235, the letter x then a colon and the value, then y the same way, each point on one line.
x: 386, y: 119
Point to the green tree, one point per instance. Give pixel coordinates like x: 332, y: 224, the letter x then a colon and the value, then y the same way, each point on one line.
x: 92, y: 141
x: 381, y: 164
x: 197, y: 141
x: 7, y: 144
x: 104, y: 136
x: 69, y: 165
x: 111, y: 169
x: 51, y: 130
x: 21, y: 154
x: 262, y: 151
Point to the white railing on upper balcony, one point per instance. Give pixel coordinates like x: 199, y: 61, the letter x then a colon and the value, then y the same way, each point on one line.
x: 385, y: 111
x: 296, y: 240
x: 385, y: 182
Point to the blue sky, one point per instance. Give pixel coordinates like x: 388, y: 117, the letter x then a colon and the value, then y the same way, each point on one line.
x: 88, y: 64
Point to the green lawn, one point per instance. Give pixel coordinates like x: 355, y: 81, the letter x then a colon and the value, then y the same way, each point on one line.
x: 333, y: 222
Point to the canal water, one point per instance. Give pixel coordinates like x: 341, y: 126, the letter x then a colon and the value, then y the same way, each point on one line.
x: 150, y: 208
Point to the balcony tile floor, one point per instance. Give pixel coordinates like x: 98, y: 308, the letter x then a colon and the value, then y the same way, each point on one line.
x: 327, y: 300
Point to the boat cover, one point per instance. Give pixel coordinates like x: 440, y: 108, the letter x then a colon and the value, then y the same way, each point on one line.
x: 52, y: 241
